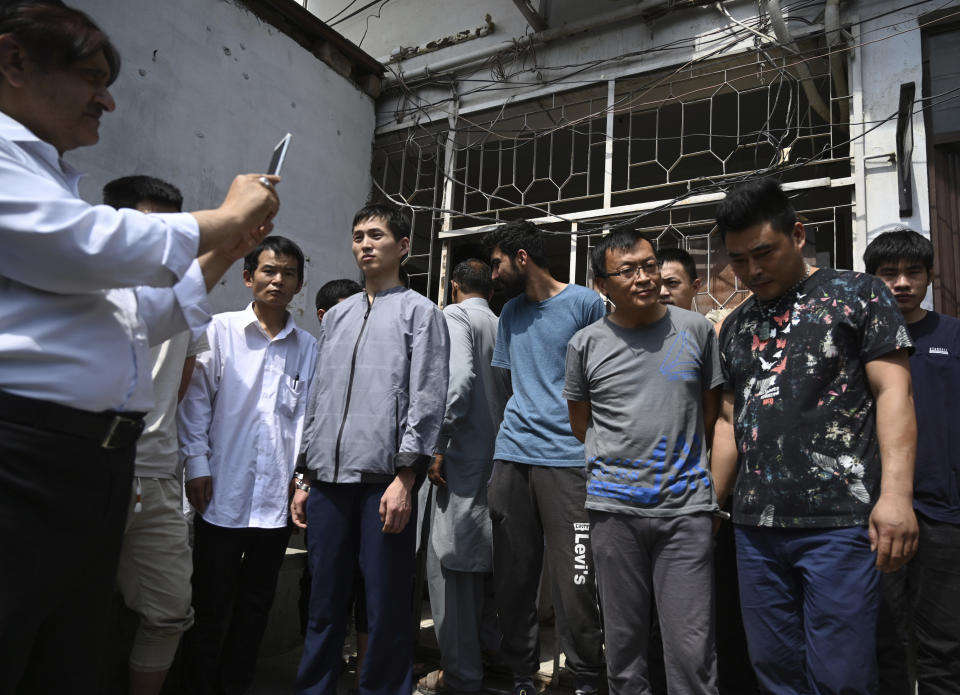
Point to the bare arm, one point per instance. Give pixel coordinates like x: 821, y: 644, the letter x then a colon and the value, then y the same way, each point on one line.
x: 711, y: 408
x: 893, y: 525
x: 579, y: 418
x: 723, y: 457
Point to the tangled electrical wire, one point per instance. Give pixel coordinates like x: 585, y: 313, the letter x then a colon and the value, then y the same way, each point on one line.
x: 728, y: 38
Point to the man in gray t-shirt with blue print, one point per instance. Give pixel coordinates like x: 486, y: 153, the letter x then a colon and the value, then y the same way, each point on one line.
x: 642, y: 394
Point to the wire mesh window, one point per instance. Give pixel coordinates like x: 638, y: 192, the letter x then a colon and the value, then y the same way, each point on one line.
x: 408, y: 165
x: 825, y: 213
x: 670, y: 136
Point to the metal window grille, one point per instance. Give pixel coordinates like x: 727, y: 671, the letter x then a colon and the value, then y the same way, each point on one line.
x: 647, y: 150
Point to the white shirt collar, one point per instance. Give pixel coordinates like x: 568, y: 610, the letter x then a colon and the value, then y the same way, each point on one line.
x: 250, y: 319
x: 475, y: 301
x: 14, y: 131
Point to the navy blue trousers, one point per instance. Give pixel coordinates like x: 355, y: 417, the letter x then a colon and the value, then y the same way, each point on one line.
x: 810, y: 600
x: 345, y: 526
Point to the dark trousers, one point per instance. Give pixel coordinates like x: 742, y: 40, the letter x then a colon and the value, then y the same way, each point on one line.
x: 810, y: 600
x: 345, y: 527
x: 734, y: 672
x: 919, y: 634
x: 234, y: 579
x: 535, y: 508
x: 63, y: 505
x: 670, y: 559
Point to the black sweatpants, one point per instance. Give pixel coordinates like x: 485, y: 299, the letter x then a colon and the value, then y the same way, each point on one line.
x: 537, y: 508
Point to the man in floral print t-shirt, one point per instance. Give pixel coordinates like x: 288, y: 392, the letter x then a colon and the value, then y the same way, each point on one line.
x: 804, y: 415
x: 817, y: 426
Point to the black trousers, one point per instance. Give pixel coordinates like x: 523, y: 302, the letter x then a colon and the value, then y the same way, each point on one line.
x: 234, y: 580
x: 63, y: 505
x: 918, y: 636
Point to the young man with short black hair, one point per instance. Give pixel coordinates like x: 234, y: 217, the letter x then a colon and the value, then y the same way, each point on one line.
x: 378, y: 403
x: 642, y: 393
x: 678, y: 275
x: 333, y: 292
x: 536, y: 493
x: 155, y: 565
x: 927, y: 591
x: 818, y: 429
x: 240, y: 425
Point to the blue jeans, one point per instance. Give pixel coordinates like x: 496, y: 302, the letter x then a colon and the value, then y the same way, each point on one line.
x: 810, y: 600
x: 345, y: 527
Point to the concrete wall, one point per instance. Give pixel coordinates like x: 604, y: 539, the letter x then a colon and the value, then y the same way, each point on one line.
x: 206, y: 91
x: 885, y: 65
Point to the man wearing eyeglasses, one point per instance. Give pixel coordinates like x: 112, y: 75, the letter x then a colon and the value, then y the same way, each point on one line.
x: 642, y: 388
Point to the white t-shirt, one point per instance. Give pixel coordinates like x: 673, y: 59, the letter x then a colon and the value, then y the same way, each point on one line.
x: 158, y: 448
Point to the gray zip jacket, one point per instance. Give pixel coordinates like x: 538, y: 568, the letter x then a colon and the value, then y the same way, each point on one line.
x: 379, y: 391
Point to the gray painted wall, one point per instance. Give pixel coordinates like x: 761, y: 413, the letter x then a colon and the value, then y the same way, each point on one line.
x: 205, y: 93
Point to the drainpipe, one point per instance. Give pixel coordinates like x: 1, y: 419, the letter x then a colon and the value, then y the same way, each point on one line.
x: 541, y: 37
x: 831, y: 25
x: 775, y: 12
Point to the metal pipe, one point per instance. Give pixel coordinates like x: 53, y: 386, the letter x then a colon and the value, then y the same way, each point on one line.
x: 831, y: 25
x: 775, y: 12
x: 531, y: 15
x: 541, y: 37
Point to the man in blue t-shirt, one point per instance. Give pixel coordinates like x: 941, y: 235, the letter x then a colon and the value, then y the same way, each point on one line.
x: 537, y: 491
x: 923, y: 598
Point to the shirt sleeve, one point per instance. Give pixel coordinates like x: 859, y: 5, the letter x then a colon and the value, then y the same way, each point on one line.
x: 596, y: 309
x: 501, y: 349
x: 56, y: 242
x: 429, y: 376
x: 310, y: 415
x: 463, y: 373
x: 711, y: 374
x: 883, y: 329
x: 575, y: 386
x: 195, y: 413
x: 198, y: 345
x: 168, y: 311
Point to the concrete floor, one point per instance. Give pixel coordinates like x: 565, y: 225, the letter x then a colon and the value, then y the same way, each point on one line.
x: 276, y: 672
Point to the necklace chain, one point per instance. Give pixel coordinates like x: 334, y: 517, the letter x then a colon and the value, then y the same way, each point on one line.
x: 769, y: 309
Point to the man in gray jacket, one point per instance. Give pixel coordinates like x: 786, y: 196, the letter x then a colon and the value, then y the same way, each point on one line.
x: 460, y: 551
x: 377, y: 404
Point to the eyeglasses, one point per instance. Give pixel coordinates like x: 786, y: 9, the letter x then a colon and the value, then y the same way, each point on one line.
x: 628, y: 271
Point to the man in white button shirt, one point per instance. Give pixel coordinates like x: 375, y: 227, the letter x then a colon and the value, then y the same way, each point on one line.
x: 240, y: 425
x: 74, y: 365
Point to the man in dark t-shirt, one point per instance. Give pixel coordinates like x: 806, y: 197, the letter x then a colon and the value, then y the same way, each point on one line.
x: 925, y: 595
x: 817, y: 425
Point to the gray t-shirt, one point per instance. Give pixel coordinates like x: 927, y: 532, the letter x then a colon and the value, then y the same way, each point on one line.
x: 645, y: 446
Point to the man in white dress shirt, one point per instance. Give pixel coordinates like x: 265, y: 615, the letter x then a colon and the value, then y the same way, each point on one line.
x: 240, y: 425
x: 74, y: 364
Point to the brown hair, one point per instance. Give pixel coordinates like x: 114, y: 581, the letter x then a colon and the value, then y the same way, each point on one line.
x: 56, y: 36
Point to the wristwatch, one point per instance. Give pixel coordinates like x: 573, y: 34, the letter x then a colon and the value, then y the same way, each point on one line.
x: 300, y: 482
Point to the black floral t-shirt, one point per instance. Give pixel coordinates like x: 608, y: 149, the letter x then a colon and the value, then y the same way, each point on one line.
x: 804, y: 415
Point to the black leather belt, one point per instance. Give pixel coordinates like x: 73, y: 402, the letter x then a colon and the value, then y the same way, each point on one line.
x: 109, y: 429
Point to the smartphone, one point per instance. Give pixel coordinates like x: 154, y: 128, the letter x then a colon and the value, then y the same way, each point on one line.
x: 279, y: 152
